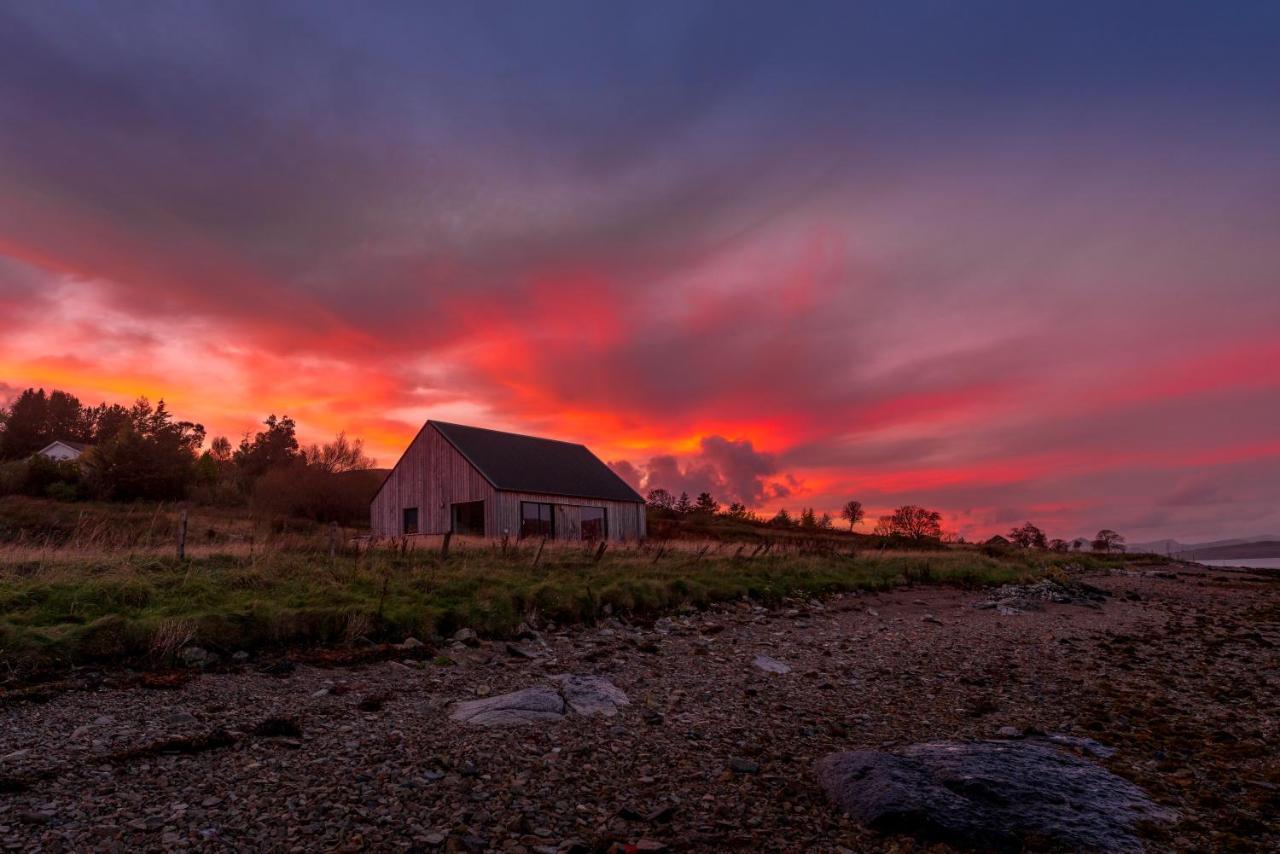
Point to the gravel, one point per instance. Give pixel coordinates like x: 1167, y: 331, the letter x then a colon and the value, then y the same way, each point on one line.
x: 711, y: 753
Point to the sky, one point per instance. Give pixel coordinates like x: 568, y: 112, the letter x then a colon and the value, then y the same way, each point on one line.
x: 1013, y: 261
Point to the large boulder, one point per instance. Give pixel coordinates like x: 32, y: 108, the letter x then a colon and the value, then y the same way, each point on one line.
x: 532, y: 705
x: 591, y: 695
x: 1005, y: 795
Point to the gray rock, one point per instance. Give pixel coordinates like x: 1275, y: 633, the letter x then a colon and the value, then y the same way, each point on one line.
x: 194, y: 656
x: 532, y: 705
x: 771, y: 665
x: 1009, y: 732
x: 412, y: 643
x: 991, y: 795
x: 591, y: 695
x: 466, y: 636
x: 180, y: 718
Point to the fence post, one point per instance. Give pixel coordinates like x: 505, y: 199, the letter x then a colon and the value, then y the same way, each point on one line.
x: 537, y: 557
x: 601, y: 550
x: 444, y: 544
x: 333, y: 539
x: 182, y: 535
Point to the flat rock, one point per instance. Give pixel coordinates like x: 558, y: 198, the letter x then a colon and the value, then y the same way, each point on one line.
x: 990, y: 794
x: 532, y: 705
x: 591, y: 695
x: 771, y: 665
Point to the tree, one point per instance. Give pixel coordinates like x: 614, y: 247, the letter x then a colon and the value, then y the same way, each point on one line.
x: 808, y: 519
x: 683, y: 505
x: 340, y: 455
x: 738, y: 510
x: 35, y: 419
x: 852, y: 513
x: 150, y: 457
x: 220, y: 449
x: 916, y: 522
x: 1058, y: 545
x: 782, y: 519
x: 884, y: 527
x: 706, y: 504
x: 824, y: 521
x: 275, y: 446
x: 1028, y: 536
x: 660, y: 499
x: 1107, y: 541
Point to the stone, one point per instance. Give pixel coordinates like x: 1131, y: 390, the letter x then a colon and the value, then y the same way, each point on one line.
x: 532, y: 705
x: 180, y: 718
x: 591, y: 695
x: 990, y: 794
x: 467, y: 637
x: 1009, y: 732
x: 743, y: 766
x: 412, y: 643
x: 194, y: 656
x: 930, y: 618
x: 771, y: 665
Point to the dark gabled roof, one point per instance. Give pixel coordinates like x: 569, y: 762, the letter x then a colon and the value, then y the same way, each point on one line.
x: 516, y: 463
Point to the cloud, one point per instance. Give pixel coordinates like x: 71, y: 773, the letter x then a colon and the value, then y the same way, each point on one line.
x: 897, y: 268
x: 729, y: 469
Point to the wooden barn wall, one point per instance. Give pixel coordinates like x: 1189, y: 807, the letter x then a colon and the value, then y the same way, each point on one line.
x: 431, y: 476
x: 625, y: 519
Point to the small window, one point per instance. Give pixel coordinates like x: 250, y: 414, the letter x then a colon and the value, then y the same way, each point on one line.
x: 594, y: 524
x: 468, y: 518
x: 535, y: 519
x: 410, y: 521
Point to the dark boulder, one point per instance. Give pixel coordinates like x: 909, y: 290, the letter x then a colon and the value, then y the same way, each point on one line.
x: 1005, y: 795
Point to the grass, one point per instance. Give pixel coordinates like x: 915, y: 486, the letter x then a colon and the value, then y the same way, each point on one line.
x: 73, y: 599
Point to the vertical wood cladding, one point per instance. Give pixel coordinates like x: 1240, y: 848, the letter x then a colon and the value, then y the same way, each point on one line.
x: 433, y: 476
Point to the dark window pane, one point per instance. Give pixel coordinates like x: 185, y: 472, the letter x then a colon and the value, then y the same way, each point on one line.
x: 410, y: 520
x: 593, y: 523
x: 468, y: 518
x: 535, y: 519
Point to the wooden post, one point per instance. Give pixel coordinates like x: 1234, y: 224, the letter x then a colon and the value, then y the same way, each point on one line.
x: 601, y: 550
x: 538, y: 555
x: 444, y: 545
x: 333, y: 539
x: 182, y: 535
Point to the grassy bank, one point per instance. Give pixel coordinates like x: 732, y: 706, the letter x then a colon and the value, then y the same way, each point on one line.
x: 68, y: 606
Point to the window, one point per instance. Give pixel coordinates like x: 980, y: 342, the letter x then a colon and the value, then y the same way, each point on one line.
x: 468, y: 518
x: 594, y: 524
x: 535, y: 520
x: 410, y: 525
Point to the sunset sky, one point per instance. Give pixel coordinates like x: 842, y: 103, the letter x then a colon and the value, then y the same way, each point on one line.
x: 1010, y: 260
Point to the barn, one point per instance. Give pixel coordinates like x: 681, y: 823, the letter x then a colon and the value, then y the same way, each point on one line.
x: 486, y: 483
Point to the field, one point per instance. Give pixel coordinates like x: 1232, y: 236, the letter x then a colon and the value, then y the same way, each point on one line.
x: 100, y: 583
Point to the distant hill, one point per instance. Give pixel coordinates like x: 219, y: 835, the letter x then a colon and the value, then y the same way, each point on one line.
x: 1262, y: 546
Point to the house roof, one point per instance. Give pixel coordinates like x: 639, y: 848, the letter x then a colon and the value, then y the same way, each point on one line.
x: 516, y: 463
x: 75, y: 446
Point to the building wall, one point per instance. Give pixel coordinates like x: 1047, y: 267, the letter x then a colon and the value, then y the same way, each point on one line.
x: 60, y: 452
x: 433, y: 476
x: 625, y: 519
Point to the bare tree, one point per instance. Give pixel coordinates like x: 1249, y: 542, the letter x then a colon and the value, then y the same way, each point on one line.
x: 1028, y: 536
x: 1108, y: 541
x: 852, y: 513
x: 916, y: 522
x: 340, y: 455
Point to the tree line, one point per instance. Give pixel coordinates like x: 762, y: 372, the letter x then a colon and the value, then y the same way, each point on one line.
x: 910, y: 521
x: 142, y: 452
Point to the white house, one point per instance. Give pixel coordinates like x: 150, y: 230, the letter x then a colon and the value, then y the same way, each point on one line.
x: 64, y: 450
